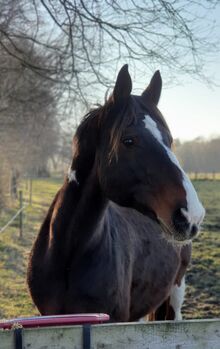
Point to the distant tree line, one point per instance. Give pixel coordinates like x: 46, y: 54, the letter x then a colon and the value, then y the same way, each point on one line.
x: 200, y: 155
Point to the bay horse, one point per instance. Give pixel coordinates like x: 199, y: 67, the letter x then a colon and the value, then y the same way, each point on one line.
x: 117, y: 236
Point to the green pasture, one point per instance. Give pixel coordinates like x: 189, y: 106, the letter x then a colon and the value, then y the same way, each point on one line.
x: 203, y: 277
x: 14, y: 297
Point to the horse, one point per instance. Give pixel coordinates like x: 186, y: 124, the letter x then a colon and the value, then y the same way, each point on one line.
x: 117, y: 236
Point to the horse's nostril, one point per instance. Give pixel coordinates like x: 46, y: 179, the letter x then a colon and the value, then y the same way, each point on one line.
x: 180, y: 222
x: 194, y: 230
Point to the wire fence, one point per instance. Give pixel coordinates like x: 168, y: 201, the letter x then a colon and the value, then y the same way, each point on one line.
x: 26, y: 205
x: 19, y: 212
x: 18, y: 197
x: 212, y: 176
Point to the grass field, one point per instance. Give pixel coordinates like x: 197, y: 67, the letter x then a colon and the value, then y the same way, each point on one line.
x: 14, y: 297
x: 203, y: 277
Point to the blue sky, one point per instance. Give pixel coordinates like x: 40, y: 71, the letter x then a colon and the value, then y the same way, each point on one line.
x: 193, y: 109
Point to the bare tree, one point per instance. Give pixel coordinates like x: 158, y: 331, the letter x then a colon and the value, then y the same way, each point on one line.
x: 29, y: 129
x: 85, y: 39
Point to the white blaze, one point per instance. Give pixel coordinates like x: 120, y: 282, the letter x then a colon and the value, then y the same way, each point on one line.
x: 195, y: 211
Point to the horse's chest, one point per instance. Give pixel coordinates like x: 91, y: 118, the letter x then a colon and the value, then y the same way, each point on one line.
x: 120, y: 284
x: 102, y: 283
x: 153, y: 276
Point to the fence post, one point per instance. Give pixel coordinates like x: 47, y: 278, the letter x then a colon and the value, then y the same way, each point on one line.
x: 30, y: 192
x: 26, y: 184
x: 21, y: 214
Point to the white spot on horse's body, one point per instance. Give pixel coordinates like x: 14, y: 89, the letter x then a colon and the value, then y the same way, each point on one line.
x: 142, y: 320
x: 177, y: 298
x: 195, y: 211
x: 72, y: 175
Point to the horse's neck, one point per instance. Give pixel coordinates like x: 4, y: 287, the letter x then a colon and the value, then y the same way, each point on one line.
x: 77, y: 216
x: 90, y: 207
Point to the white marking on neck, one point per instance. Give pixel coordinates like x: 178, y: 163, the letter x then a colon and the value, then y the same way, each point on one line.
x: 195, y: 211
x: 71, y: 174
x: 177, y: 298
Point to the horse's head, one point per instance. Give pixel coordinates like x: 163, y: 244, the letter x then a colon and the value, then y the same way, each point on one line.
x: 135, y: 164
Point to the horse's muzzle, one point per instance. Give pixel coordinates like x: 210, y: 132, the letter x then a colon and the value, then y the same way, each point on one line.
x: 184, y: 228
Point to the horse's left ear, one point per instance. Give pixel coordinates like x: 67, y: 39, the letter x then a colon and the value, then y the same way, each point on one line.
x: 154, y: 88
x: 123, y: 85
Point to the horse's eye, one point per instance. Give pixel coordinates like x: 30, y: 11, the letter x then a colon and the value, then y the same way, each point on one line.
x: 128, y: 142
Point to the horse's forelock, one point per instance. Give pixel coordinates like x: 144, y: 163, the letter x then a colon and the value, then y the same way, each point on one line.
x: 123, y: 117
x: 109, y: 117
x: 115, y: 117
x: 127, y: 116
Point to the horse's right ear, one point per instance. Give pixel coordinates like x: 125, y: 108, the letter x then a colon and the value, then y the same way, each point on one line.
x: 123, y: 85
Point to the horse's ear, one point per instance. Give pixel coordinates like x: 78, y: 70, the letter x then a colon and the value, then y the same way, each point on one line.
x: 123, y: 85
x: 154, y: 88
